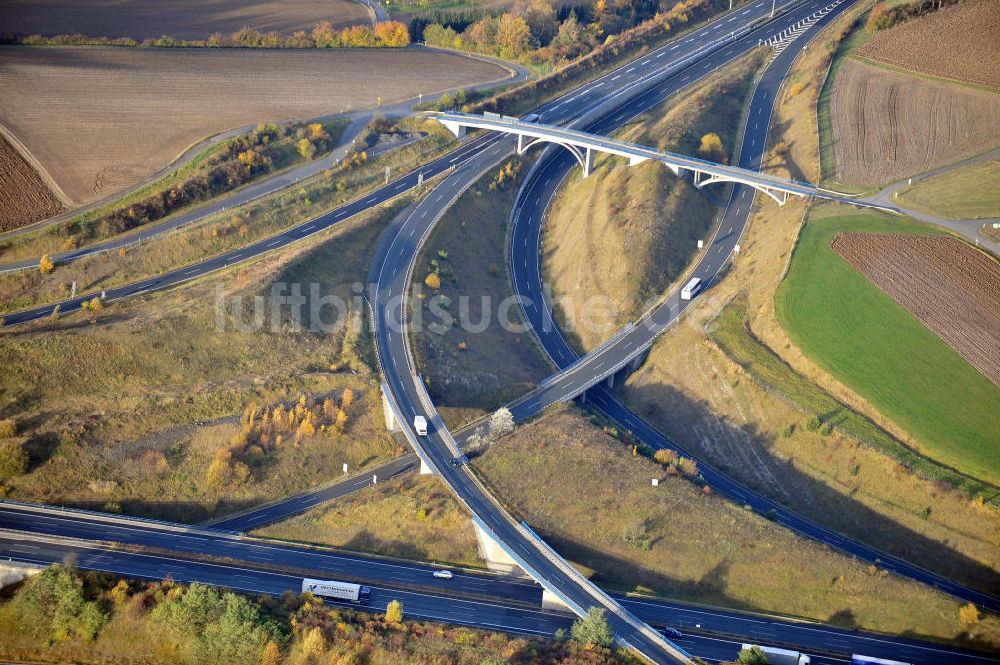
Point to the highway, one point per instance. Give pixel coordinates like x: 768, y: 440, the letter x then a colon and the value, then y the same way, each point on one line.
x: 462, y: 168
x: 471, y: 597
x: 577, y: 374
x: 397, y: 261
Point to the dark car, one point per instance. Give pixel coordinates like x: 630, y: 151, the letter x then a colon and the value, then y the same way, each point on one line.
x: 456, y: 461
x: 672, y: 633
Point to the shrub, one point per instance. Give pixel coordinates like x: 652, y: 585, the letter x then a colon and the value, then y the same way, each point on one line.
x: 13, y: 459
x: 711, y: 147
x: 788, y: 431
x: 968, y: 615
x: 636, y: 535
x: 665, y: 456
x: 593, y: 629
x: 433, y: 281
x: 814, y: 423
x: 8, y: 428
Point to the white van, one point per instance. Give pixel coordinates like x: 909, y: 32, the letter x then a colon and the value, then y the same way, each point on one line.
x: 691, y: 289
x: 420, y: 425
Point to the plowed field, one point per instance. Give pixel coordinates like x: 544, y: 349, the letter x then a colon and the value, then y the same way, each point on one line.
x: 100, y: 119
x: 887, y: 126
x: 958, y: 42
x: 24, y: 197
x: 183, y: 19
x: 950, y: 287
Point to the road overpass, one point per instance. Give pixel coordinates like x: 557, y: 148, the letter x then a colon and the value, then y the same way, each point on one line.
x: 584, y: 145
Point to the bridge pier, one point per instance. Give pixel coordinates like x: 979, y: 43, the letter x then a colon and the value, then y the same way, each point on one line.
x: 495, y: 557
x: 391, y: 423
x: 550, y: 601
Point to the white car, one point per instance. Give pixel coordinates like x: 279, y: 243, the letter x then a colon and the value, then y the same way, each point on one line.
x: 443, y: 574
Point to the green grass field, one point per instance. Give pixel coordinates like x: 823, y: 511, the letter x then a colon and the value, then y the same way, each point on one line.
x: 861, y: 336
x: 965, y: 193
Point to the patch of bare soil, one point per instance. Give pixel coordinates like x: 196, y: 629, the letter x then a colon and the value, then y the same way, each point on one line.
x: 183, y: 19
x: 887, y: 126
x: 951, y: 287
x: 958, y: 43
x: 100, y: 119
x: 24, y: 196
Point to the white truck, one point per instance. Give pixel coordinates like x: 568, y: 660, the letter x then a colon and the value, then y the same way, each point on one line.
x: 858, y: 659
x: 420, y: 425
x: 352, y: 593
x: 691, y: 289
x: 776, y: 656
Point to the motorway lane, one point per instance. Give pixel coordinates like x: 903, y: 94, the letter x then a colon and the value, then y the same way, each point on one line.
x: 194, y: 541
x: 710, y: 633
x: 576, y: 374
x: 281, y: 509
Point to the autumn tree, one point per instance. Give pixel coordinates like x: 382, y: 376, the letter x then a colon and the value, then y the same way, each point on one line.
x: 968, y: 615
x: 347, y: 398
x: 392, y: 34
x: 394, y: 613
x: 433, y: 281
x: 46, y: 264
x: 665, y: 456
x: 513, y: 36
x: 271, y: 655
x: 711, y: 148
x: 324, y: 36
x: 305, y: 148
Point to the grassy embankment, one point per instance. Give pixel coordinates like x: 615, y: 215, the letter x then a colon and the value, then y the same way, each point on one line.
x: 63, y: 615
x: 625, y: 234
x: 682, y: 542
x: 471, y: 372
x: 223, y: 231
x: 130, y: 414
x: 860, y: 335
x: 413, y: 517
x: 964, y: 193
x: 87, y: 228
x: 729, y: 416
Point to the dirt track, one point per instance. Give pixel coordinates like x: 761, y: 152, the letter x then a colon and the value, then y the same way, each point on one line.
x: 952, y: 288
x: 24, y: 197
x: 958, y: 42
x: 100, y: 119
x: 183, y: 19
x: 887, y: 126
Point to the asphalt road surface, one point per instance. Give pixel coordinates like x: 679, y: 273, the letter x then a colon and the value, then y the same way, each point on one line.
x: 471, y: 597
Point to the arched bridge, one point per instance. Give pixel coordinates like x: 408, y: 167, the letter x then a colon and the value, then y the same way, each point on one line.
x: 584, y: 146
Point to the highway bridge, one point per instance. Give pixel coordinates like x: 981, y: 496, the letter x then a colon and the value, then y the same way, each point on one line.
x: 584, y: 145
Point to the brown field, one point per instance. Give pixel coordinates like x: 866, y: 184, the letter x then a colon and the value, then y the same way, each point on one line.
x: 24, y: 197
x: 887, y: 126
x: 100, y: 119
x: 184, y: 19
x: 954, y: 43
x: 951, y: 287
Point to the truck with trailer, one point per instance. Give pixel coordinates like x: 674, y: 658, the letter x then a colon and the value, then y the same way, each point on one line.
x: 858, y: 659
x: 776, y: 656
x: 691, y: 289
x: 344, y: 591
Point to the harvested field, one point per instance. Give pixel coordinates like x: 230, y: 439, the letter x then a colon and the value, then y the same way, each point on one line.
x: 184, y: 19
x: 954, y: 43
x: 24, y: 197
x: 952, y: 288
x: 100, y: 119
x: 887, y: 126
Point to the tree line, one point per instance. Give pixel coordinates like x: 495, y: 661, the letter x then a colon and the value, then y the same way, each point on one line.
x: 387, y: 34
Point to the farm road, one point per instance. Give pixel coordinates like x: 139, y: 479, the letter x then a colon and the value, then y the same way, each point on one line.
x: 967, y: 228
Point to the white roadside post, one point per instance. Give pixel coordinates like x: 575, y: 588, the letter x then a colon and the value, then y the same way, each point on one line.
x: 701, y: 244
x: 345, y: 468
